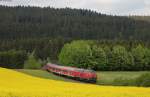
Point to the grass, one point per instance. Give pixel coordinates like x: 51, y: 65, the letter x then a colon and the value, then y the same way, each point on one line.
x: 107, y: 78
x: 104, y: 78
x: 44, y: 74
x: 15, y: 84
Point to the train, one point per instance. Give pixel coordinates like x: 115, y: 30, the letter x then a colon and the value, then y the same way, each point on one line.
x: 72, y: 72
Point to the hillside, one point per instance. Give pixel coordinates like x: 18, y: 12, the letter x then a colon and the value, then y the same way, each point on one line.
x: 45, y: 31
x: 35, y: 22
x: 142, y: 18
x: 22, y: 85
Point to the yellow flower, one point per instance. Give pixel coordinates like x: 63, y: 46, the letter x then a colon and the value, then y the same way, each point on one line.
x: 15, y: 84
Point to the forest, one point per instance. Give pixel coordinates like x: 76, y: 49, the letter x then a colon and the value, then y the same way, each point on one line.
x: 33, y: 22
x: 45, y: 31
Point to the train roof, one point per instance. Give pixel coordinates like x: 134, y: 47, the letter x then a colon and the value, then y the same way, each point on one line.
x: 69, y: 68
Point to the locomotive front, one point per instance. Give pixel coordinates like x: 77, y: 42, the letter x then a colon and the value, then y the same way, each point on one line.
x: 90, y: 76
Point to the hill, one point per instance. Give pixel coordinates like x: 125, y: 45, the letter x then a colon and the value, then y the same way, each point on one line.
x: 14, y: 84
x: 142, y: 18
x: 44, y: 31
x: 35, y: 22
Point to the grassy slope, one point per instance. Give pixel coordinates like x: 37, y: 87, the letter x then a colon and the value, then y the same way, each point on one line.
x: 108, y: 77
x: 105, y: 78
x: 44, y: 74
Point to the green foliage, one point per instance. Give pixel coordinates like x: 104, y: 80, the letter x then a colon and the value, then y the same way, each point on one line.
x: 76, y: 54
x: 12, y: 59
x: 32, y: 62
x: 120, y: 59
x: 147, y: 59
x: 36, y: 22
x: 46, y: 30
x: 48, y: 60
x: 90, y: 54
x: 83, y: 54
x: 143, y: 80
x: 139, y: 54
x: 99, y: 59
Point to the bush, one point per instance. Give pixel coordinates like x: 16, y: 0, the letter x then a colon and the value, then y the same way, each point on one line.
x: 143, y: 80
x: 32, y: 63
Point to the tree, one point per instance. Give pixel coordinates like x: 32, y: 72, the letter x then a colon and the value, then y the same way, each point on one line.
x: 139, y: 57
x: 32, y: 62
x: 35, y: 22
x: 98, y: 58
x: 108, y: 53
x: 12, y: 59
x: 77, y: 53
x: 147, y: 59
x: 120, y: 58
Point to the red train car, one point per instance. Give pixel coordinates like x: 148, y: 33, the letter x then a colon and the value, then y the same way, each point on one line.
x: 76, y: 73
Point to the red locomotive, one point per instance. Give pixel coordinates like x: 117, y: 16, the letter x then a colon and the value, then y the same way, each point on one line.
x: 76, y: 73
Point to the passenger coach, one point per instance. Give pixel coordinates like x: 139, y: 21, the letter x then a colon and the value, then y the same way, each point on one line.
x: 76, y: 73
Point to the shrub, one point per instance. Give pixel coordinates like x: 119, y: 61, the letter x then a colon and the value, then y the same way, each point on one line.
x: 32, y: 63
x: 143, y: 80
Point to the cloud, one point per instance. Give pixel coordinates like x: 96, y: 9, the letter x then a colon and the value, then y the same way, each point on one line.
x: 119, y: 7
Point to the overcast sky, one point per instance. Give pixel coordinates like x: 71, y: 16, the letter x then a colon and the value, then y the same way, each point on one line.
x: 116, y: 7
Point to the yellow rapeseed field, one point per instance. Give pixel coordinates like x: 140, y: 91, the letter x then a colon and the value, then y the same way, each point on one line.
x: 15, y: 84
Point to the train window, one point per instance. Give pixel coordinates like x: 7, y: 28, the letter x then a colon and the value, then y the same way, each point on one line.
x: 65, y: 71
x: 92, y: 71
x: 80, y: 70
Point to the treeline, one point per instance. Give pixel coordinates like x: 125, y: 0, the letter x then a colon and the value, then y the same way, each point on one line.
x: 43, y: 47
x: 14, y: 53
x: 49, y: 49
x: 92, y: 55
x: 34, y: 22
x: 12, y: 59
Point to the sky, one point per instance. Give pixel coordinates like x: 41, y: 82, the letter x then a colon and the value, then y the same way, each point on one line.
x: 113, y: 7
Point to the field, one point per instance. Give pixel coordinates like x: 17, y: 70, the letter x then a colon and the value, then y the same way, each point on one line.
x: 107, y: 78
x: 44, y: 74
x: 15, y: 84
x: 104, y: 78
